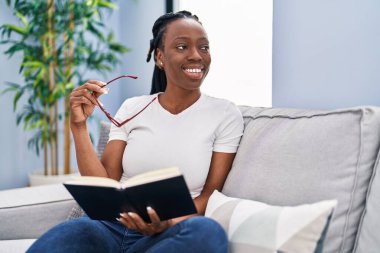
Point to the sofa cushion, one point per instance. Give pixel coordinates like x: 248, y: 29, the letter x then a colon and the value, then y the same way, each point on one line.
x: 292, y: 157
x: 26, y: 213
x: 254, y: 226
x: 104, y: 131
x: 368, y: 239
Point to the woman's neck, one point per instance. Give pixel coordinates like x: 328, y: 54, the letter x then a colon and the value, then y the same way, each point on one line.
x: 177, y: 101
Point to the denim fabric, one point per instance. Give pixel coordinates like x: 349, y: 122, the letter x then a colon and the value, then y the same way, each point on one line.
x: 197, y: 234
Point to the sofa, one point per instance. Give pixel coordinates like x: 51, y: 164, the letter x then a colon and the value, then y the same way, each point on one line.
x: 287, y: 157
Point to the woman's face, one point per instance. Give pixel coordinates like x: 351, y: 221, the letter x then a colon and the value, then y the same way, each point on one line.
x: 185, y: 55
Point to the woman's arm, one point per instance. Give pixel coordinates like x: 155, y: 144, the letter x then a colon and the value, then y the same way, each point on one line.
x: 88, y: 162
x: 220, y: 166
x: 82, y: 105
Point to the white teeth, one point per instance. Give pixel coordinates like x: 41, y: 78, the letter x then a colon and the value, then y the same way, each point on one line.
x: 193, y: 70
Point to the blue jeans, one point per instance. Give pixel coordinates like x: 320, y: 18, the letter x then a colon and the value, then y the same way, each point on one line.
x: 196, y: 234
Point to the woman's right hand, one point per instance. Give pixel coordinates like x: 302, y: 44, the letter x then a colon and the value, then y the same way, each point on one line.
x: 82, y: 100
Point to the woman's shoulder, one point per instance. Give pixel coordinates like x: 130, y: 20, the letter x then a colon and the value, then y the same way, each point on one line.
x: 130, y: 105
x: 138, y: 99
x: 219, y: 103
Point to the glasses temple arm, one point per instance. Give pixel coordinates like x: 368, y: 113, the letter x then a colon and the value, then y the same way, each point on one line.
x: 134, y: 77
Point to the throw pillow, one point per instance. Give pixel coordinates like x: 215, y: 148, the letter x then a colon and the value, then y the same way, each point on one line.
x: 254, y: 226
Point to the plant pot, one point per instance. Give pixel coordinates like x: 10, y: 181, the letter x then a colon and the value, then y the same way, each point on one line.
x: 38, y: 178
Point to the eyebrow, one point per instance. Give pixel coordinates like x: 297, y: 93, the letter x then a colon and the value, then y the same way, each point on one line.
x: 187, y: 37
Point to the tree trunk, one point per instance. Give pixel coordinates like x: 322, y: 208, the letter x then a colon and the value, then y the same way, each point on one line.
x: 68, y: 69
x: 53, y: 107
x: 46, y: 165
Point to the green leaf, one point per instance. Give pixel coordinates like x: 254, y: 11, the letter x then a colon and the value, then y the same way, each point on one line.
x: 69, y: 86
x: 23, y: 19
x: 16, y: 98
x: 108, y: 5
x: 118, y: 48
x: 110, y: 37
x: 15, y: 48
x: 12, y: 87
x: 39, y: 77
x: 16, y: 29
x: 33, y: 64
x: 95, y: 31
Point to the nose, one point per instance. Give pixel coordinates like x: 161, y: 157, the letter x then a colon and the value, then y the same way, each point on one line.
x: 194, y: 54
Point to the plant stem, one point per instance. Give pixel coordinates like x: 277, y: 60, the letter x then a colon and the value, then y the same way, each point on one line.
x: 53, y: 109
x: 68, y: 69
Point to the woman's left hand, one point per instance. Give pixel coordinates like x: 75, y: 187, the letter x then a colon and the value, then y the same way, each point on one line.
x: 135, y: 222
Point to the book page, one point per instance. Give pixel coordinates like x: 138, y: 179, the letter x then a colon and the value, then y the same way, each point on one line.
x: 95, y: 181
x: 151, y: 176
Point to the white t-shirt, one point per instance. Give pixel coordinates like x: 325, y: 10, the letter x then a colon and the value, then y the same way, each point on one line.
x: 158, y: 139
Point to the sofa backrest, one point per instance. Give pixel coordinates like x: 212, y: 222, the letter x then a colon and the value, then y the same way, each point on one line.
x: 104, y: 130
x: 291, y: 156
x: 368, y: 238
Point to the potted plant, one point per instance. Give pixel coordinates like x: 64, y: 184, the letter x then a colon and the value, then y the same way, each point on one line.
x: 58, y: 41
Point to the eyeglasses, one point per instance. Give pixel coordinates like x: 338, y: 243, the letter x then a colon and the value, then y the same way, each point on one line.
x: 113, y: 120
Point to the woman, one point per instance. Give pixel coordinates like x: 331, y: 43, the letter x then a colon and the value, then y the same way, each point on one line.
x: 182, y: 127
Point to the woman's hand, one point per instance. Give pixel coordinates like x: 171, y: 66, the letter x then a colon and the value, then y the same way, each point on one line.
x: 82, y: 100
x: 135, y: 222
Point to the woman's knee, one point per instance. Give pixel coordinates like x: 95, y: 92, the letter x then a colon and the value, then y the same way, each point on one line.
x: 80, y: 228
x: 210, y: 230
x: 77, y: 235
x: 206, y: 224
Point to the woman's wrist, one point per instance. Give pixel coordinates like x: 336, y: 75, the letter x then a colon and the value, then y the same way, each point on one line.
x: 78, y: 126
x: 174, y: 221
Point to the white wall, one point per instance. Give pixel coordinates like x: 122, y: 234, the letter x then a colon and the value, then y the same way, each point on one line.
x: 240, y: 35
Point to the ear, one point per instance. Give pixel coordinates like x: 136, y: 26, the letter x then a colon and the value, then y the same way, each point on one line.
x: 159, y: 59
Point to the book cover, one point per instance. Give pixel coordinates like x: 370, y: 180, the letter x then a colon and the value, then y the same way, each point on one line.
x: 103, y: 199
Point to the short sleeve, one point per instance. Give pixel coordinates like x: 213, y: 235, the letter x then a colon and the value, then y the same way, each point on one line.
x: 117, y: 133
x: 229, y: 131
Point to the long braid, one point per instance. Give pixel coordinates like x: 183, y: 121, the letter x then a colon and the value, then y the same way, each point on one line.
x: 158, y: 30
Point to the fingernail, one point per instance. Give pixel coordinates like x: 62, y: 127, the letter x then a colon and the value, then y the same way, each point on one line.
x: 149, y: 209
x: 122, y: 215
x: 118, y: 219
x: 130, y: 214
x: 105, y: 90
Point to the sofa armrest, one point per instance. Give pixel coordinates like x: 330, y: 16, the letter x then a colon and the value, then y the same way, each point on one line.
x: 26, y: 213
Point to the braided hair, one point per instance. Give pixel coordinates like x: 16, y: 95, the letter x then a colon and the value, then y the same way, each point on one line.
x: 158, y: 30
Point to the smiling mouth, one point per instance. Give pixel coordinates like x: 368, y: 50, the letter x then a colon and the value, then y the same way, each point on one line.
x: 194, y: 72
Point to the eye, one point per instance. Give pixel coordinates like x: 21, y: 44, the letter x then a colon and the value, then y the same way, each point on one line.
x: 181, y: 47
x: 205, y: 48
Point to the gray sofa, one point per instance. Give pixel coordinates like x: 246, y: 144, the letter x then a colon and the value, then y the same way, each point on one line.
x: 286, y: 157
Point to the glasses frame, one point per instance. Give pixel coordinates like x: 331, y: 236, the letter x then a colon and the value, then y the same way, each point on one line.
x: 108, y: 115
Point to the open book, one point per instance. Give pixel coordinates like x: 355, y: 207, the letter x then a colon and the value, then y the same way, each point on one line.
x: 164, y: 190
